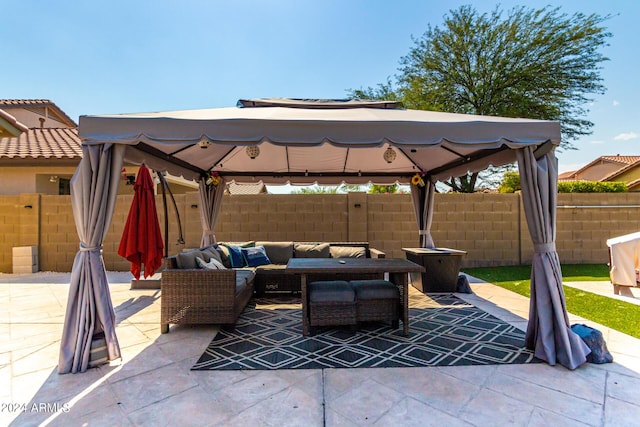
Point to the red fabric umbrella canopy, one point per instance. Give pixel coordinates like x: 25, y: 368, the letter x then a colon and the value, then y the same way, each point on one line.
x: 141, y: 241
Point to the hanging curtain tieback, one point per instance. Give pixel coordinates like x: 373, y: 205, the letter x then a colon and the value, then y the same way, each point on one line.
x: 85, y: 248
x: 207, y: 231
x: 544, y: 247
x: 423, y: 232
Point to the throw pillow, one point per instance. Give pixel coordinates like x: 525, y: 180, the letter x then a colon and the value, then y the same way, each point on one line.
x: 213, y: 264
x: 236, y: 259
x: 212, y: 252
x: 187, y: 260
x: 224, y: 255
x: 255, y: 256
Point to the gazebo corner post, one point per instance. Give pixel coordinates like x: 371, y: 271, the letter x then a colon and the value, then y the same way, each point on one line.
x: 94, y: 188
x: 210, y: 192
x: 548, y: 334
x: 422, y: 195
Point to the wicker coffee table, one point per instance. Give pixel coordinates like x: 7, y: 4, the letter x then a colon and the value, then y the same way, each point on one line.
x: 398, y: 269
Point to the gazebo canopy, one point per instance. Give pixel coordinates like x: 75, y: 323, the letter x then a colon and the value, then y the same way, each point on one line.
x: 326, y: 141
x: 305, y: 141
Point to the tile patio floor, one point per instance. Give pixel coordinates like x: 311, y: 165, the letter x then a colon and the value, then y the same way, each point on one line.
x: 153, y: 385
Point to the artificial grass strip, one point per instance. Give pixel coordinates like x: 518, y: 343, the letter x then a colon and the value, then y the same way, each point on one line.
x: 619, y: 315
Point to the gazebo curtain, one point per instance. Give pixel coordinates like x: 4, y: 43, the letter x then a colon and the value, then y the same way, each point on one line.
x: 94, y: 188
x: 210, y: 202
x: 423, y: 197
x: 548, y: 332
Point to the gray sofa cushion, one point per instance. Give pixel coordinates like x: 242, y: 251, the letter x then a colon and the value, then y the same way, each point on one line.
x: 320, y: 250
x: 348, y: 252
x: 278, y: 252
x: 187, y: 260
x: 271, y: 268
x: 245, y: 274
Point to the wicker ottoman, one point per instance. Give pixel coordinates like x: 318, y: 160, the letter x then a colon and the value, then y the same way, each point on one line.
x: 331, y: 303
x: 377, y: 301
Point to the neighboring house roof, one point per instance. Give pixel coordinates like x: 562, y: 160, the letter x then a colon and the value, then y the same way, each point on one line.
x: 246, y: 188
x: 566, y: 175
x: 623, y: 161
x: 634, y: 185
x: 9, y: 125
x: 612, y: 176
x: 37, y: 106
x: 41, y: 144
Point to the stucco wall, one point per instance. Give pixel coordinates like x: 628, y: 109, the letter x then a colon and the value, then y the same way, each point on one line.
x: 491, y: 227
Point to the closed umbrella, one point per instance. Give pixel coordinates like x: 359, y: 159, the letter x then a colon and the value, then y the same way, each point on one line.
x: 141, y: 241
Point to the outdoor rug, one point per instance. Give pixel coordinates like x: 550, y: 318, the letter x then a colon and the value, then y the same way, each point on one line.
x: 443, y: 331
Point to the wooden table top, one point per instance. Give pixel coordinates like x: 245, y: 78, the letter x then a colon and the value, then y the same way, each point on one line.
x: 352, y: 265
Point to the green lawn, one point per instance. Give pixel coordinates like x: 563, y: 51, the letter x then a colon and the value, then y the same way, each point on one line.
x: 615, y: 314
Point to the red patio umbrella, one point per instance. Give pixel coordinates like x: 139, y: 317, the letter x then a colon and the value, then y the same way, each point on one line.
x: 141, y: 241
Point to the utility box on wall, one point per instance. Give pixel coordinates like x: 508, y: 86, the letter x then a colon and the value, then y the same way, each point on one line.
x: 25, y: 259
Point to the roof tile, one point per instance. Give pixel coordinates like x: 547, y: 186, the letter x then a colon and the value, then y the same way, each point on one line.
x: 43, y: 143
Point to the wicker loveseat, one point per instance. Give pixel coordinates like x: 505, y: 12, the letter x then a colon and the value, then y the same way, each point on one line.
x: 193, y: 295
x: 199, y: 296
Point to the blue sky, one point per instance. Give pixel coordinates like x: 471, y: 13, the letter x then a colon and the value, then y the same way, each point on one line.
x: 120, y: 56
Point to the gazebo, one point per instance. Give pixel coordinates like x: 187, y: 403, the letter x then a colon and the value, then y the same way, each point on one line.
x: 312, y: 141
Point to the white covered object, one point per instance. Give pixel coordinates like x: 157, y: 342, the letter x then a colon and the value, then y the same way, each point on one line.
x: 625, y: 259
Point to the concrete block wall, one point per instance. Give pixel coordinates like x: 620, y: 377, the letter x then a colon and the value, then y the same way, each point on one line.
x: 281, y: 217
x: 10, y: 209
x: 391, y: 223
x: 490, y: 227
x: 59, y: 238
x: 586, y: 221
x: 484, y: 225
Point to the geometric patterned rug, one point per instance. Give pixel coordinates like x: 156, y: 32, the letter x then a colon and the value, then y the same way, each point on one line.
x: 443, y: 331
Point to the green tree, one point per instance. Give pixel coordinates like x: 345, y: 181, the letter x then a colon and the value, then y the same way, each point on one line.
x: 510, y: 182
x: 321, y: 189
x: 383, y: 189
x: 540, y: 64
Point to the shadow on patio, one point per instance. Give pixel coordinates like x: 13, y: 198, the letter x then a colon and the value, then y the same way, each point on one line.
x: 154, y: 385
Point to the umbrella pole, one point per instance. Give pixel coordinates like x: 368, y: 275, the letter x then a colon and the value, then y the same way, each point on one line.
x: 166, y: 219
x: 165, y: 185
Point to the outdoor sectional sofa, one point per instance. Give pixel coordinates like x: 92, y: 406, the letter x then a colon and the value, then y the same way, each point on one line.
x: 194, y: 295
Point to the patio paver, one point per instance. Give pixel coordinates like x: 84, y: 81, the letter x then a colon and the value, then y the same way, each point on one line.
x: 154, y: 386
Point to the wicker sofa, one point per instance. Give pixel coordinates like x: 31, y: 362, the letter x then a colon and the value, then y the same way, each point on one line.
x: 192, y: 295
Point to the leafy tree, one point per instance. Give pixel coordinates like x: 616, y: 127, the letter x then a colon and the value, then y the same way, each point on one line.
x: 383, y: 189
x: 316, y: 190
x: 510, y: 182
x: 540, y: 64
x: 320, y: 189
x: 383, y: 91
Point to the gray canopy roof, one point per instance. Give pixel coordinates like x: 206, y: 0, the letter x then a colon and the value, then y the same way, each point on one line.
x: 306, y: 141
x: 327, y: 141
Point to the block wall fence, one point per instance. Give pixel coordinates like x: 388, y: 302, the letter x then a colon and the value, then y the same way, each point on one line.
x: 490, y: 227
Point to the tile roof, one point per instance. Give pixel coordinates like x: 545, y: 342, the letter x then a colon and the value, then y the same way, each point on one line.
x: 627, y: 160
x: 42, y: 143
x: 38, y: 103
x: 621, y: 160
x: 569, y: 175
